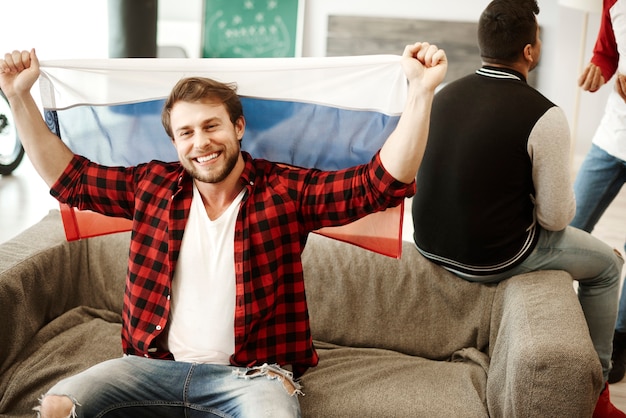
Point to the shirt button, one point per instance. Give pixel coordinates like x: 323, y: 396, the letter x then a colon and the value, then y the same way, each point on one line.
x: 158, y: 327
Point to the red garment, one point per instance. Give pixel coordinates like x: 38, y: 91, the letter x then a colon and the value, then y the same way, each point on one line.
x: 605, y: 53
x: 281, y: 206
x: 605, y: 408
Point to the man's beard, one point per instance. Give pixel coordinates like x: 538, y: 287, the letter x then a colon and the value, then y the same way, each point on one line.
x: 214, y: 175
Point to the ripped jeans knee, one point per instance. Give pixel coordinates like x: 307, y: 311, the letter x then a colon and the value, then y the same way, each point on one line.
x: 56, y: 406
x: 272, y: 371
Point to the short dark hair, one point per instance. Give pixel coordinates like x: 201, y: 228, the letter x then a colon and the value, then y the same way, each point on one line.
x: 198, y: 89
x: 505, y: 28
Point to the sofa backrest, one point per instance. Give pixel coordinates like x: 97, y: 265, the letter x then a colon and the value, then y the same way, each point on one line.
x: 362, y: 299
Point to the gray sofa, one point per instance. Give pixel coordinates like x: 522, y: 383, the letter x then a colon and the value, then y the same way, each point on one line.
x: 396, y: 338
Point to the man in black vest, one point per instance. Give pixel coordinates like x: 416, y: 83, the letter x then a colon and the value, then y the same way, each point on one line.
x: 494, y: 191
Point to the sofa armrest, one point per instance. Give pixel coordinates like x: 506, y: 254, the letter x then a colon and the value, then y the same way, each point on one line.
x: 42, y: 276
x: 542, y: 359
x: 33, y: 264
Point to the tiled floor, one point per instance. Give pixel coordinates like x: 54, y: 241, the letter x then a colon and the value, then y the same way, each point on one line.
x: 24, y: 200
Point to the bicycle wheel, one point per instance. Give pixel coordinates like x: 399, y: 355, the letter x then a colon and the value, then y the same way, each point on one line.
x: 11, y: 150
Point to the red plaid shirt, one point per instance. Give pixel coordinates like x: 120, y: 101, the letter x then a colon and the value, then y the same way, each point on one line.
x: 280, y: 207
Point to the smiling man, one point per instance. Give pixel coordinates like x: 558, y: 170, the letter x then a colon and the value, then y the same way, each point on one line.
x: 215, y: 321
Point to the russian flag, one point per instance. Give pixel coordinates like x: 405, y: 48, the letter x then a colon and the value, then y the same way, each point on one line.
x: 328, y: 113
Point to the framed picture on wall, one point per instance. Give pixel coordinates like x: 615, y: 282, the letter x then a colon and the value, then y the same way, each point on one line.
x: 252, y: 28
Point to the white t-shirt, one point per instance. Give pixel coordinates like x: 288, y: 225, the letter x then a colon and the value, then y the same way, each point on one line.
x: 202, y: 316
x: 611, y: 134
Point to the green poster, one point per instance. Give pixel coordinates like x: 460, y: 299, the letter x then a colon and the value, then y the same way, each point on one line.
x: 252, y: 28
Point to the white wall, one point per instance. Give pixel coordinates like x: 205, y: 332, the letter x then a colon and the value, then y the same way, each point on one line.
x: 58, y: 29
x: 566, y: 49
x: 62, y: 29
x: 180, y: 24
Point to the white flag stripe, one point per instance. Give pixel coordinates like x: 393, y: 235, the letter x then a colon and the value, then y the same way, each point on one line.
x: 369, y: 82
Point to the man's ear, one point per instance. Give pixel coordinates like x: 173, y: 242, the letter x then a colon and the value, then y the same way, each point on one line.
x: 528, y: 53
x: 240, y: 127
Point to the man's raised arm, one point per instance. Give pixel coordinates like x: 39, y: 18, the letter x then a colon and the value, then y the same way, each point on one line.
x: 49, y: 155
x: 425, y: 67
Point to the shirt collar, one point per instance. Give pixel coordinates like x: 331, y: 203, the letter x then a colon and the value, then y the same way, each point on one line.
x: 500, y: 73
x: 248, y: 176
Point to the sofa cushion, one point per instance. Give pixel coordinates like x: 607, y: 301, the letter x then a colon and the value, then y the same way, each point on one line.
x: 349, y: 381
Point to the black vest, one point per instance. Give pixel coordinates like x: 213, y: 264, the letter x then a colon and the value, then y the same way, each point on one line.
x: 473, y: 209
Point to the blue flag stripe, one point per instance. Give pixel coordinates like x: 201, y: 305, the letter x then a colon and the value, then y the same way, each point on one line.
x: 295, y: 133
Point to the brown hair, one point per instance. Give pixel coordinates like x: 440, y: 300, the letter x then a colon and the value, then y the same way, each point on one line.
x: 198, y: 89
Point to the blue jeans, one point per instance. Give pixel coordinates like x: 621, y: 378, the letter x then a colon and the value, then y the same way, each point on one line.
x: 133, y: 386
x: 598, y: 181
x: 595, y: 266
